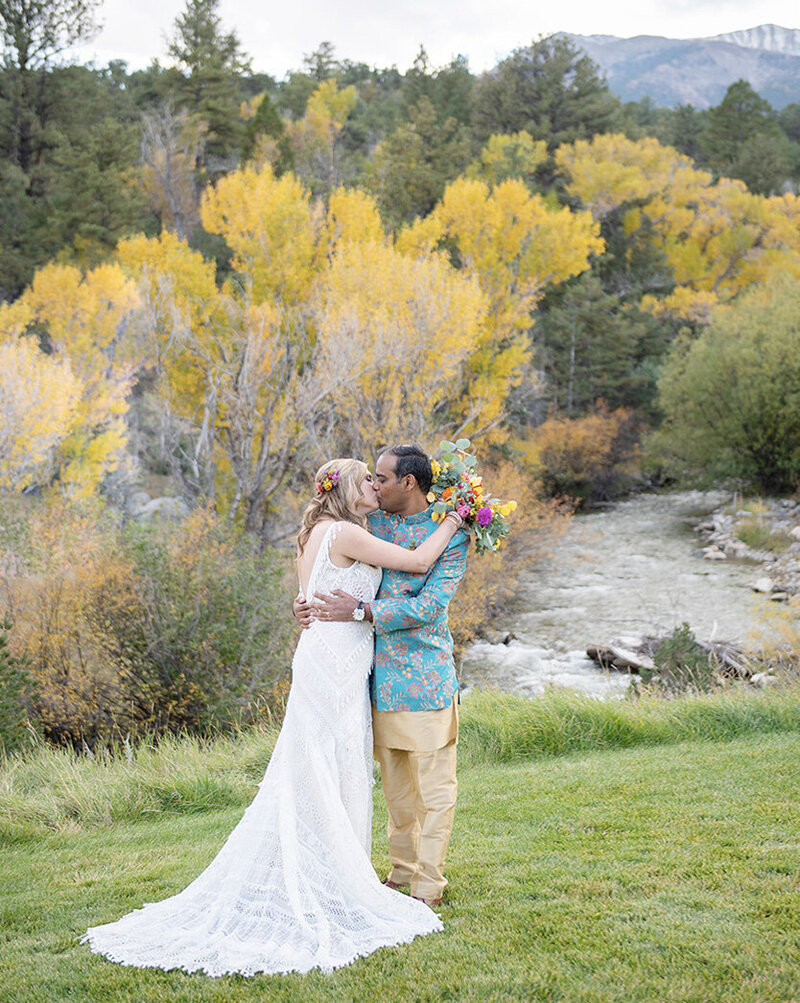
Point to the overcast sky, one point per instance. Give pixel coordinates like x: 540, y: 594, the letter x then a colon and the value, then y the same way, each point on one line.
x: 276, y: 35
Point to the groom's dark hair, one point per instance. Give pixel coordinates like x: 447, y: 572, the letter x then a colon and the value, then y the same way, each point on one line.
x: 412, y: 459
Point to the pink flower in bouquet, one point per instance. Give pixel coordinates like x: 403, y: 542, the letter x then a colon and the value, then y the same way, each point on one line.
x: 484, y: 516
x: 463, y: 510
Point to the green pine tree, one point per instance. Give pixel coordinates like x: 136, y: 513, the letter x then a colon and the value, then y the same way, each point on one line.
x: 212, y: 61
x: 592, y: 348
x: 744, y: 140
x: 95, y: 200
x: 412, y: 166
x: 267, y: 122
x: 549, y: 89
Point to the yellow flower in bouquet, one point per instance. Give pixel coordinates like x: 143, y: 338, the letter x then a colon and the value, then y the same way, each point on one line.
x: 457, y: 487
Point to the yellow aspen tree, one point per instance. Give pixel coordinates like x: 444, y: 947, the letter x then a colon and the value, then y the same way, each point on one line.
x: 254, y: 409
x: 172, y: 144
x: 726, y: 240
x: 353, y: 217
x: 504, y: 157
x: 248, y: 109
x: 315, y: 137
x: 612, y: 171
x: 181, y: 310
x: 90, y: 320
x: 717, y: 237
x: 38, y: 402
x: 513, y: 244
x: 394, y: 335
x: 178, y: 291
x: 228, y: 367
x: 273, y: 229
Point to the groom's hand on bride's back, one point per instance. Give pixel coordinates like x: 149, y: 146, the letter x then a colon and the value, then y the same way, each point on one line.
x: 338, y: 606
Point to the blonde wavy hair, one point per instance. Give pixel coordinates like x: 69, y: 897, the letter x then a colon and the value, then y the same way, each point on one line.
x: 339, y: 502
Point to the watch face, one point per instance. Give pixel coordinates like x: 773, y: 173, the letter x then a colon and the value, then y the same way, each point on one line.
x: 358, y: 613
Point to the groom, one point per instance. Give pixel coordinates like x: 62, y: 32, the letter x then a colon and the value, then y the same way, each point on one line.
x: 414, y: 686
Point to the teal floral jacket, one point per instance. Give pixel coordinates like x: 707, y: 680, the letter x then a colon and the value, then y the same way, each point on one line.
x: 414, y: 668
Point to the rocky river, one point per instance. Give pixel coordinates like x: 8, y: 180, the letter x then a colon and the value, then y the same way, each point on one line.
x: 630, y: 570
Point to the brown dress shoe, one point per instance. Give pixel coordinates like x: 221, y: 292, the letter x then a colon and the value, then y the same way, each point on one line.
x: 429, y: 902
x: 394, y: 886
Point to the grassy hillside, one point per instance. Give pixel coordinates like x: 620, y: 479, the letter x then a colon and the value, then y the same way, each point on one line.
x: 657, y: 872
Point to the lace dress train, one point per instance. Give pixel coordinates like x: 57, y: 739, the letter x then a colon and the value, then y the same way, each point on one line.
x: 293, y: 888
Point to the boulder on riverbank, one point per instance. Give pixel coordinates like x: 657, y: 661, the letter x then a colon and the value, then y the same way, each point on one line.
x: 767, y: 533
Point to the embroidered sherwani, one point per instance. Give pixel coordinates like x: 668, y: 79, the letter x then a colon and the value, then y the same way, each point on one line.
x: 414, y: 687
x: 414, y: 667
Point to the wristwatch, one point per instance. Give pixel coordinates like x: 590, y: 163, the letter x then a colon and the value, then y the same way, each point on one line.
x: 358, y: 612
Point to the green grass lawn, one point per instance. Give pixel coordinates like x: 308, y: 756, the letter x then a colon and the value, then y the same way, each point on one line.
x: 652, y: 873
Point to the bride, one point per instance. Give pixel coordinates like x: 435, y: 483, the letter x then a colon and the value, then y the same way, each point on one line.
x: 293, y: 887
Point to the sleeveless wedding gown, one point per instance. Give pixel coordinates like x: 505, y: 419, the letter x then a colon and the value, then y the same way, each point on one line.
x: 293, y: 887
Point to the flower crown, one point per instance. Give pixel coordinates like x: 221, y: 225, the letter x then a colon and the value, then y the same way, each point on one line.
x: 328, y: 482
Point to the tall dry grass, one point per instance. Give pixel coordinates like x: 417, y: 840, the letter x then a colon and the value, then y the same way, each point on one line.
x: 45, y: 789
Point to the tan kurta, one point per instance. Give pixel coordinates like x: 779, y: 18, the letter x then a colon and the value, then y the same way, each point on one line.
x: 415, y: 730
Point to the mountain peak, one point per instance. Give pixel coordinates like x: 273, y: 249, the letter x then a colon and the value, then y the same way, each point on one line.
x: 767, y: 37
x: 698, y: 71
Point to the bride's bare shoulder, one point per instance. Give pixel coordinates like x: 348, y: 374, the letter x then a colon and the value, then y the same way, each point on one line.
x: 315, y: 537
x: 305, y: 561
x: 348, y: 530
x: 321, y: 528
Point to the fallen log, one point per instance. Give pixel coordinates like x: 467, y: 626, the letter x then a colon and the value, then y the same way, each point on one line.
x: 614, y: 657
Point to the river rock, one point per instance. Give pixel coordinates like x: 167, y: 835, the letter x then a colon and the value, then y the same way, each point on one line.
x: 779, y: 597
x: 137, y: 501
x: 629, y: 641
x: 499, y: 636
x: 763, y: 679
x: 616, y: 657
x: 736, y: 546
x: 713, y: 553
x: 763, y: 585
x: 795, y: 533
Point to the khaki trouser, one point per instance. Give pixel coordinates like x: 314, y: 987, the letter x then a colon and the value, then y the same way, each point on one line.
x: 420, y: 790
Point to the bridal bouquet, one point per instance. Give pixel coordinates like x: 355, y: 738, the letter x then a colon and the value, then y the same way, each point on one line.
x: 457, y: 486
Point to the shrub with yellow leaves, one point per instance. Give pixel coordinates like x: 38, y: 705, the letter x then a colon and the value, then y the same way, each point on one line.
x: 776, y: 637
x: 142, y: 630
x: 583, y: 458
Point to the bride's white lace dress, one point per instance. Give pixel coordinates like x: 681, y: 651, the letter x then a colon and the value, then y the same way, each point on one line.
x: 293, y: 887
